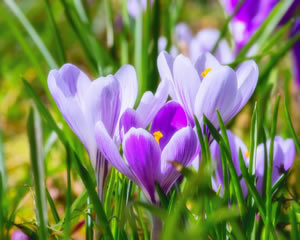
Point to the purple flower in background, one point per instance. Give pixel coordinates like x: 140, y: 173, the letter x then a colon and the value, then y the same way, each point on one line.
x: 205, y: 86
x: 19, y: 235
x: 136, y: 6
x: 83, y: 103
x: 235, y: 144
x: 148, y: 154
x: 284, y: 155
x: 296, y: 51
x: 204, y: 41
x: 250, y: 16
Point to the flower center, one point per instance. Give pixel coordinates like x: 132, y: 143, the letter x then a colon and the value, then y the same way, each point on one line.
x: 157, y: 135
x: 247, y: 154
x: 206, y: 71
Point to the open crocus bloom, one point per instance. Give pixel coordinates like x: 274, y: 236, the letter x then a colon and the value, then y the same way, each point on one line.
x: 148, y: 154
x: 283, y: 158
x: 83, y: 103
x: 235, y: 145
x: 204, y: 41
x: 206, y: 86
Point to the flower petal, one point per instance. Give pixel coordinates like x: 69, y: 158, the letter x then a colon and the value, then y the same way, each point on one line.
x: 150, y: 105
x: 103, y: 102
x: 183, y: 33
x: 217, y: 91
x: 181, y: 148
x: 206, y: 61
x: 187, y: 83
x: 143, y: 156
x: 68, y: 86
x: 288, y: 148
x: 165, y: 69
x: 128, y: 120
x: 109, y: 150
x: 128, y: 84
x: 170, y: 118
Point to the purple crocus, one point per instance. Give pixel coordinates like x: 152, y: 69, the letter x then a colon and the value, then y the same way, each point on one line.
x: 204, y: 41
x: 83, y: 103
x: 283, y: 158
x: 205, y: 86
x: 235, y: 145
x: 136, y: 6
x: 250, y: 16
x: 148, y: 155
x: 19, y: 235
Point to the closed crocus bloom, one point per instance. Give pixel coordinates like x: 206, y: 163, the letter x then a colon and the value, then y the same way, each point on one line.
x: 283, y: 158
x: 19, y: 235
x: 83, y: 103
x: 206, y: 86
x: 204, y: 41
x: 148, y: 155
x: 296, y: 51
x: 235, y: 145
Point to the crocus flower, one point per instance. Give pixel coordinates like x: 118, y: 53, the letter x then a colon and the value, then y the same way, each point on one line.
x: 83, y: 103
x: 296, y: 51
x: 19, y: 235
x: 250, y: 16
x: 204, y: 41
x: 136, y: 6
x: 235, y: 145
x: 205, y: 86
x: 283, y: 158
x: 147, y: 155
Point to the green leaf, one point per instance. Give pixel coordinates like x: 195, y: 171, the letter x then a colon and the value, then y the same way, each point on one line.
x: 294, y: 223
x: 67, y: 219
x: 89, y: 232
x: 37, y: 163
x: 32, y: 33
x: 201, y: 140
x: 52, y: 207
x: 89, y: 185
x: 253, y: 141
x: 290, y: 125
x: 269, y: 172
x: 162, y: 197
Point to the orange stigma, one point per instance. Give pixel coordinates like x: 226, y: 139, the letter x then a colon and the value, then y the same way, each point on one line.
x: 157, y: 135
x: 247, y: 154
x: 206, y: 71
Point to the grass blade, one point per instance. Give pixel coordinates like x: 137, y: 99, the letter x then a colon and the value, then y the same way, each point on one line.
x: 37, y: 162
x: 67, y: 220
x: 269, y: 172
x: 293, y: 220
x: 89, y: 185
x: 89, y: 232
x: 290, y: 125
x: 253, y: 141
x: 32, y: 33
x: 52, y: 207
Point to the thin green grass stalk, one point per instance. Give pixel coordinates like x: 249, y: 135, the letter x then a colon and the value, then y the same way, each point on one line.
x: 37, y: 162
x: 89, y: 231
x: 267, y: 27
x: 253, y: 141
x: 57, y: 38
x: 142, y: 223
x: 2, y: 219
x: 67, y: 220
x: 290, y: 125
x: 32, y: 33
x: 109, y: 23
x: 269, y: 173
x: 52, y: 207
x: 2, y: 163
x: 138, y: 53
x: 98, y: 208
x: 81, y: 10
x: 201, y: 140
x: 226, y: 25
x: 293, y: 219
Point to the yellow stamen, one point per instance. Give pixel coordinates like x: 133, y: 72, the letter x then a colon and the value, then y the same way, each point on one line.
x: 157, y: 135
x: 247, y: 154
x: 206, y: 71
